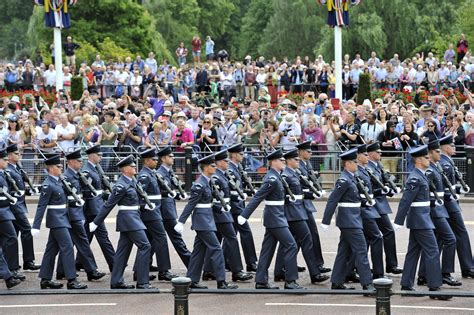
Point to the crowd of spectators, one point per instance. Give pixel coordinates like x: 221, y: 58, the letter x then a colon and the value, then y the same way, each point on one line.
x: 213, y: 103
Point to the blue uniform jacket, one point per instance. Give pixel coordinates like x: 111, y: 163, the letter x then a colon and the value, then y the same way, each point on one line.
x: 20, y: 206
x: 381, y: 202
x: 433, y: 174
x: 168, y: 204
x: 307, y: 193
x: 346, y: 198
x: 294, y: 211
x: 274, y: 194
x: 53, y: 199
x: 76, y: 213
x: 222, y: 216
x: 124, y: 194
x: 200, y: 206
x: 415, y: 203
x: 5, y: 212
x: 93, y: 204
x: 366, y: 211
x: 451, y: 203
x: 147, y: 179
x: 237, y: 206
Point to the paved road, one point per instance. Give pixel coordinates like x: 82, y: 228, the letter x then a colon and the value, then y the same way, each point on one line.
x: 234, y: 304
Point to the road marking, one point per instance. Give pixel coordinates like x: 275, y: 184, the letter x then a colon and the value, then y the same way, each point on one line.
x: 372, y: 306
x: 57, y: 305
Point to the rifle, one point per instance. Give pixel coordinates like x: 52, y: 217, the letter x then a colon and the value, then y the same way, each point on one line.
x: 26, y: 178
x: 216, y: 194
x: 446, y: 181
x: 142, y: 194
x: 234, y: 185
x: 10, y: 198
x: 385, y: 189
x: 309, y: 183
x: 16, y: 191
x: 363, y: 189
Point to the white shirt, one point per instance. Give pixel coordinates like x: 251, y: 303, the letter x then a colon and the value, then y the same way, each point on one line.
x: 370, y: 133
x: 52, y: 135
x: 70, y: 129
x: 50, y: 78
x: 293, y: 130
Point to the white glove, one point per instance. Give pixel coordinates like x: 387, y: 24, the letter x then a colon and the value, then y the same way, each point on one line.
x: 179, y: 227
x: 241, y: 220
x: 314, y: 196
x: 148, y: 208
x: 92, y: 227
x: 35, y: 232
x: 324, y: 227
x: 396, y: 227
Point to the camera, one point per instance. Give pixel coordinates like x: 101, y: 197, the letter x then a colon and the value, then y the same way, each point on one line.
x: 179, y: 134
x: 286, y: 131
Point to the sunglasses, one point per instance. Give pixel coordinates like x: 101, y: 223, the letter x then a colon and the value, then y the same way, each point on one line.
x: 430, y: 126
x: 207, y: 122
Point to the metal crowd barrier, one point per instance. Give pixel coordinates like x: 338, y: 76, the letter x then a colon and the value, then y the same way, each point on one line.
x: 323, y: 160
x: 182, y: 293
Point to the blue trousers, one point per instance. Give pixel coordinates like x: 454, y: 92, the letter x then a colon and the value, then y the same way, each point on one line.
x: 80, y: 240
x: 177, y: 241
x: 206, y: 241
x: 389, y: 244
x: 142, y: 262
x: 156, y: 234
x: 351, y: 242
x: 102, y: 237
x: 289, y: 251
x: 463, y: 244
x: 23, y: 227
x: 8, y: 240
x: 230, y: 248
x: 313, y: 229
x: 59, y: 241
x: 422, y: 241
x: 246, y: 240
x: 4, y: 271
x: 446, y: 244
x: 302, y: 236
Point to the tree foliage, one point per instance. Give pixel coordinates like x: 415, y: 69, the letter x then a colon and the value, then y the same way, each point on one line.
x: 256, y: 27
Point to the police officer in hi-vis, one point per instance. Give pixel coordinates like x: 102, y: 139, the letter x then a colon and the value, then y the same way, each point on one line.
x: 381, y: 204
x: 20, y: 211
x: 276, y: 225
x: 443, y: 232
x: 129, y: 224
x: 168, y: 205
x: 308, y: 197
x: 153, y: 220
x: 76, y: 219
x: 54, y: 201
x: 297, y: 216
x: 347, y: 200
x: 414, y: 206
x: 225, y: 225
x: 237, y: 204
x: 93, y: 205
x: 202, y: 221
x: 463, y: 243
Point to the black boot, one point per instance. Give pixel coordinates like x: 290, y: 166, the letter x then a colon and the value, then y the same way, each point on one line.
x: 208, y: 275
x: 50, y: 284
x: 241, y: 276
x: 318, y: 278
x: 11, y: 282
x: 30, y: 265
x: 95, y: 275
x: 225, y: 286
x: 166, y: 276
x: 76, y: 285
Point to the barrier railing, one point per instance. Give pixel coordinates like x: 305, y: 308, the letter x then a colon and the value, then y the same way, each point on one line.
x: 323, y: 160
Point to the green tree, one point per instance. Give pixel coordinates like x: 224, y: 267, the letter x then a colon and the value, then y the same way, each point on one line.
x: 253, y: 23
x: 129, y: 25
x: 14, y: 15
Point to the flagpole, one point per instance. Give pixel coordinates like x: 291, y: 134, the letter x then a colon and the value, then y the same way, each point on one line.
x: 58, y: 58
x: 338, y: 59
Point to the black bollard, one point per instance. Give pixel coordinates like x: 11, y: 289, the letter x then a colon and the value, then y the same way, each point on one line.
x: 382, y: 300
x: 180, y: 292
x: 470, y: 169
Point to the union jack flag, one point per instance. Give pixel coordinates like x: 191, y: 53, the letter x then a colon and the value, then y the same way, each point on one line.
x: 56, y: 12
